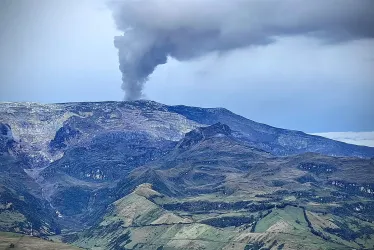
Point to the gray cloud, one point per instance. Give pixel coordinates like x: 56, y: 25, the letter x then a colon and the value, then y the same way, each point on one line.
x: 154, y: 30
x: 358, y: 138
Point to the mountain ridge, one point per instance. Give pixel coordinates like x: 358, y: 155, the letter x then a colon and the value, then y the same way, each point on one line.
x: 275, y: 140
x: 84, y: 164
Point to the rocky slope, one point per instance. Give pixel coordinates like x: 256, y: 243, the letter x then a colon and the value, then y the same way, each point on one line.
x: 22, y: 207
x: 45, y: 131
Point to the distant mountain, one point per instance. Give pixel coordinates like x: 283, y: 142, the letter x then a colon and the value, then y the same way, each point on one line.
x: 132, y: 175
x: 47, y: 130
x: 275, y: 140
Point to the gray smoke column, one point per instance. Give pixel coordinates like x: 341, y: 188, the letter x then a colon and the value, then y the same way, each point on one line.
x: 154, y: 30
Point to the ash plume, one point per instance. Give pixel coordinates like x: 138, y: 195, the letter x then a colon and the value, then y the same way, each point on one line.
x: 154, y: 30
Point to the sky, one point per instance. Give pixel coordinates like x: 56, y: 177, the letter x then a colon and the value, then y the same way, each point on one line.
x: 294, y: 68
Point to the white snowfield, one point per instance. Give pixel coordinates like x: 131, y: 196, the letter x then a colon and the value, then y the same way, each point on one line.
x: 358, y: 138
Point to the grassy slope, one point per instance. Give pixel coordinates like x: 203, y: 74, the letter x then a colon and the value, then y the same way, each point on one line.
x: 289, y: 226
x: 30, y: 243
x: 130, y: 223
